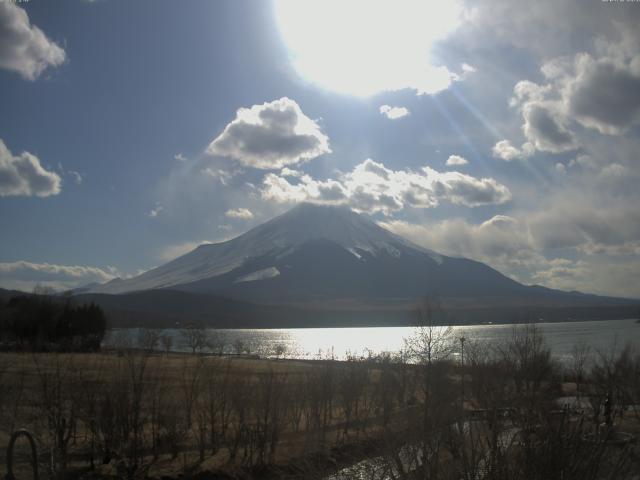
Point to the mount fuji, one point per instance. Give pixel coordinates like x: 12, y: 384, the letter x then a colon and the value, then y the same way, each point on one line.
x: 316, y: 252
x: 331, y: 258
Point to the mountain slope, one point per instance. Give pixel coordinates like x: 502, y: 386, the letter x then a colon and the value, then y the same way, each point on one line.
x: 330, y: 254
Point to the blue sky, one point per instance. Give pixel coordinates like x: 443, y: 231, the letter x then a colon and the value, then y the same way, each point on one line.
x: 500, y: 131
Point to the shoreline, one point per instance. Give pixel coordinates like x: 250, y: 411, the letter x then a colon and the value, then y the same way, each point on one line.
x: 406, y: 325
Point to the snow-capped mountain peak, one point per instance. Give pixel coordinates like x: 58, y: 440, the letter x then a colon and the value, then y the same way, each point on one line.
x: 336, y: 224
x: 280, y: 237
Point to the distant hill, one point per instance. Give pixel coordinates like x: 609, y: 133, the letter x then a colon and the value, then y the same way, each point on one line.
x: 171, y: 309
x: 7, y: 294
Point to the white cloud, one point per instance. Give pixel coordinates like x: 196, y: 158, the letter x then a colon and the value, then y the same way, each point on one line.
x: 394, y: 113
x: 155, y: 211
x: 288, y: 172
x: 24, y: 48
x: 584, y: 161
x: 271, y: 136
x: 172, y: 252
x: 526, y: 91
x: 241, y: 213
x: 613, y: 171
x: 587, y: 224
x: 505, y: 151
x: 23, y: 175
x: 466, y: 68
x: 179, y: 157
x: 455, y: 160
x: 562, y: 273
x: 77, y: 176
x: 277, y: 188
x: 600, y: 275
x: 372, y: 187
x: 502, y: 241
x: 24, y: 275
x: 220, y: 174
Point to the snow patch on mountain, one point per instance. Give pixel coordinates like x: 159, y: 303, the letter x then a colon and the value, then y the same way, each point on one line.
x: 263, y: 274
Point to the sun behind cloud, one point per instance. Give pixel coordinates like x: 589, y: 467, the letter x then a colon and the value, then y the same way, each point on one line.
x: 362, y: 47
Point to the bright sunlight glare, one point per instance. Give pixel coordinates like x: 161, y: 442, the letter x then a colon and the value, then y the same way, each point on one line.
x: 363, y: 47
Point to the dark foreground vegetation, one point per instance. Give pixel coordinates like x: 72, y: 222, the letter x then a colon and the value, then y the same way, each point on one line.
x: 42, y: 322
x: 425, y: 413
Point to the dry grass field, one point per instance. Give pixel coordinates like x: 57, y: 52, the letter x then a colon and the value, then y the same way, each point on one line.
x: 178, y: 413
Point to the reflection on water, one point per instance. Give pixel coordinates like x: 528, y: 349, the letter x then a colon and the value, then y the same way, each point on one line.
x: 341, y: 343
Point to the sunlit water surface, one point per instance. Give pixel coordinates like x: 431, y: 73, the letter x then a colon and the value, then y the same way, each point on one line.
x: 342, y: 343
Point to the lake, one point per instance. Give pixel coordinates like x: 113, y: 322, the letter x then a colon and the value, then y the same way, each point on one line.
x: 341, y: 343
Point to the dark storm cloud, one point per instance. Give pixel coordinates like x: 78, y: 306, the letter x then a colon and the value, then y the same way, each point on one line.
x: 605, y: 96
x: 544, y: 129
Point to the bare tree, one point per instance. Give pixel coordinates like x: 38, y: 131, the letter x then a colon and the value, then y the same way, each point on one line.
x: 122, y: 405
x: 240, y: 400
x: 580, y: 355
x: 88, y: 394
x: 118, y: 340
x: 190, y: 379
x: 613, y: 379
x: 194, y: 337
x: 351, y: 384
x: 12, y: 379
x: 528, y: 358
x: 279, y: 350
x: 167, y: 343
x: 238, y: 346
x: 430, y: 342
x: 58, y: 380
x: 269, y: 413
x: 43, y: 290
x: 148, y: 339
x: 214, y: 409
x: 216, y: 341
x: 159, y: 392
x: 430, y: 346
